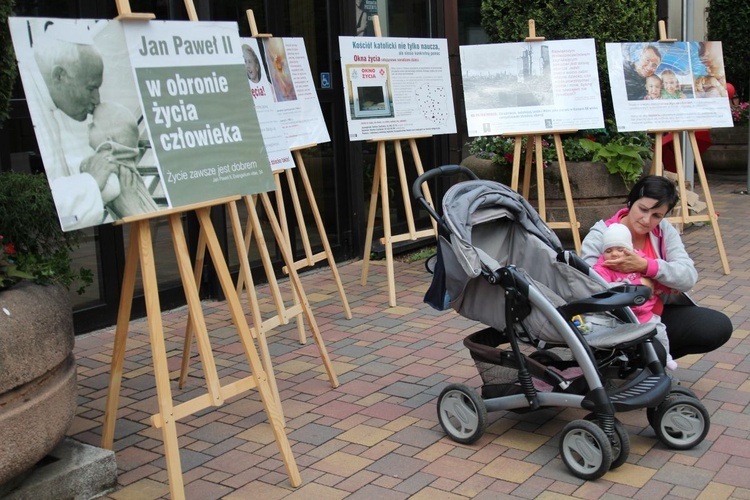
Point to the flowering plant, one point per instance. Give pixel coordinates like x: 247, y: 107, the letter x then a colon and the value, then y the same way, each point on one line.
x: 740, y: 113
x: 501, y: 149
x: 32, y: 245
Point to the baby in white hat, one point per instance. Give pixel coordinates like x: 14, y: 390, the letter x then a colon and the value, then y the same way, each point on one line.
x: 615, y: 242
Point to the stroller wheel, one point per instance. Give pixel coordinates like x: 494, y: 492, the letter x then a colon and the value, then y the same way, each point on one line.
x: 585, y: 449
x: 461, y: 413
x: 681, y: 422
x: 621, y: 445
x: 676, y: 390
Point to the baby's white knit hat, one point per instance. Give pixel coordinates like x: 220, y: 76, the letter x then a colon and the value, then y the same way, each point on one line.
x: 617, y: 235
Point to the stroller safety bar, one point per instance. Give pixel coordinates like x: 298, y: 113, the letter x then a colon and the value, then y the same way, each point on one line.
x: 614, y: 298
x: 445, y: 170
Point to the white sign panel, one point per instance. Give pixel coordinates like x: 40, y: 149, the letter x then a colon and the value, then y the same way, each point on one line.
x: 669, y: 86
x: 265, y: 105
x: 294, y: 91
x: 531, y: 87
x: 396, y: 87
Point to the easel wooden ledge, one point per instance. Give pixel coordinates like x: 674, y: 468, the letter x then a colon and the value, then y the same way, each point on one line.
x: 380, y: 182
x: 657, y: 168
x: 534, y: 143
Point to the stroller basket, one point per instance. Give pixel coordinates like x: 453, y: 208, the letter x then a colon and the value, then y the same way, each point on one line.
x: 497, y: 367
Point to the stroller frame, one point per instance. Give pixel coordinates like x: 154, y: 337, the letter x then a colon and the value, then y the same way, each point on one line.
x: 591, y: 446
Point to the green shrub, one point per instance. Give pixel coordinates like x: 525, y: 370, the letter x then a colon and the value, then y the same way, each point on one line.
x: 33, y: 245
x: 729, y: 23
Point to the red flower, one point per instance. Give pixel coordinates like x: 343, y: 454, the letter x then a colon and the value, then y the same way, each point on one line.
x: 10, y: 249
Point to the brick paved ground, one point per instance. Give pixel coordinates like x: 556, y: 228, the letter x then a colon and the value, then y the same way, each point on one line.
x: 377, y: 435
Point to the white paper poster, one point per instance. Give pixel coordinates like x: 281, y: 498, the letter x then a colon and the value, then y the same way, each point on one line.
x: 527, y: 87
x: 396, y: 87
x: 668, y: 86
x: 133, y: 118
x: 265, y: 105
x: 297, y: 102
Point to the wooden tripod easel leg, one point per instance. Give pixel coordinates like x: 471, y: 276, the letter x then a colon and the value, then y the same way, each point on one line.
x: 260, y: 335
x: 572, y: 219
x: 371, y: 214
x: 159, y: 355
x: 709, y: 202
x: 287, y: 236
x: 387, y: 234
x: 322, y: 231
x: 297, y: 284
x: 188, y: 340
x: 256, y: 366
x: 121, y: 336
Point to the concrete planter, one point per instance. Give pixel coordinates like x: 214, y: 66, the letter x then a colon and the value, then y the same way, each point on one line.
x: 37, y: 375
x: 728, y: 150
x: 596, y: 193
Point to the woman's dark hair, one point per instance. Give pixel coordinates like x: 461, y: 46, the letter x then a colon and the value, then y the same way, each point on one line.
x: 656, y: 187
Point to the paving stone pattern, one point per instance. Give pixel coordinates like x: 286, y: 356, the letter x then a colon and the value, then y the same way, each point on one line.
x: 377, y: 435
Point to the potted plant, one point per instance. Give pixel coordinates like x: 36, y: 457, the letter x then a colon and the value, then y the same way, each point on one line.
x: 37, y: 366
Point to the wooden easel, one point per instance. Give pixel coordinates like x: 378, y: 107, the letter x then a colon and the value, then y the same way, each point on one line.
x: 657, y: 168
x: 302, y: 306
x: 380, y: 182
x: 534, y: 144
x: 140, y: 250
x: 310, y: 258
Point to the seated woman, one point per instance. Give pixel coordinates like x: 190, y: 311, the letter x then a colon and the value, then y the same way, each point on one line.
x: 691, y: 329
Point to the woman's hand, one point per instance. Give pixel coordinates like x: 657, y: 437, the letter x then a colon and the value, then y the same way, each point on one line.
x: 630, y: 262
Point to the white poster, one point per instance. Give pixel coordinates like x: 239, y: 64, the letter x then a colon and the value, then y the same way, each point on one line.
x: 294, y: 91
x: 265, y: 105
x: 396, y: 87
x: 133, y: 118
x: 516, y: 88
x: 672, y: 86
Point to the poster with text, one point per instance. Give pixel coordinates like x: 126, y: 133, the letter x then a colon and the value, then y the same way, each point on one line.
x: 525, y: 87
x: 116, y: 146
x: 396, y: 87
x: 276, y: 143
x: 294, y: 91
x: 668, y: 86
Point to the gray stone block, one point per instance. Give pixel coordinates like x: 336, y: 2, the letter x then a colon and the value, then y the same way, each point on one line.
x: 71, y: 471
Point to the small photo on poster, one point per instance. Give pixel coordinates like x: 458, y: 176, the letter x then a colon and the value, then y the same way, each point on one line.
x: 519, y: 75
x: 370, y: 94
x: 278, y: 69
x: 668, y: 85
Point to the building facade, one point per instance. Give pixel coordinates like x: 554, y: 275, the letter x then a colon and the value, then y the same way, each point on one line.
x: 340, y: 171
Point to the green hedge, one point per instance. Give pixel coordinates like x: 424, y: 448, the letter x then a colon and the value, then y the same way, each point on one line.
x: 603, y: 20
x: 729, y: 23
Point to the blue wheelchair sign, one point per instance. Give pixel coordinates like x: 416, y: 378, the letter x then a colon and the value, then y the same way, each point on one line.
x: 325, y: 80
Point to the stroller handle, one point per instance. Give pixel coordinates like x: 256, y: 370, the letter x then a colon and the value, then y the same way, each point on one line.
x: 416, y: 188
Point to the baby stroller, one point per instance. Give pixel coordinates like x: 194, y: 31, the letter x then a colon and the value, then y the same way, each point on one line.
x: 557, y: 336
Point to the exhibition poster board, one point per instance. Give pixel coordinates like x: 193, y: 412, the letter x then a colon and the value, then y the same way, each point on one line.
x: 672, y: 86
x: 276, y: 143
x: 396, y: 87
x: 134, y: 117
x: 297, y: 104
x: 529, y: 87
